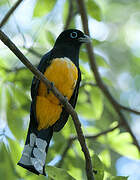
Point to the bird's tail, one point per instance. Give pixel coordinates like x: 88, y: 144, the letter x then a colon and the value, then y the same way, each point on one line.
x: 34, y: 154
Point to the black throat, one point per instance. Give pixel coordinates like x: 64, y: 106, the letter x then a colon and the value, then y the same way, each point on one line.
x: 69, y: 51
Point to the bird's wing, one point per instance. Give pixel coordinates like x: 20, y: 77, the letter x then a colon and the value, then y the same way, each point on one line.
x: 64, y: 115
x: 44, y: 63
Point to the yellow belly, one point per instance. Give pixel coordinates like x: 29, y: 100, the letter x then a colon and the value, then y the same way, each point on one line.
x: 63, y: 73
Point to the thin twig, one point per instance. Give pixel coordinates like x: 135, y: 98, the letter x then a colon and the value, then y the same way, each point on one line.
x: 84, y: 18
x: 69, y: 143
x: 12, y: 70
x: 8, y: 14
x: 34, y: 52
x: 62, y: 99
x: 101, y: 133
x: 73, y: 138
x: 83, y: 84
x: 70, y: 15
x: 128, y: 109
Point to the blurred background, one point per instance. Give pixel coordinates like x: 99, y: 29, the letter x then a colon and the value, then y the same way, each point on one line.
x: 115, y: 31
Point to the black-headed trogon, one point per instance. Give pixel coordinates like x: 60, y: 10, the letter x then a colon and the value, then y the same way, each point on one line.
x: 60, y: 66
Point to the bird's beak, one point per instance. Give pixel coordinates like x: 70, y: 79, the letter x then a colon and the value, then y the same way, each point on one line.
x: 84, y: 39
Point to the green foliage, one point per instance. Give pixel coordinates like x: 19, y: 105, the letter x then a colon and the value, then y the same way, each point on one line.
x: 119, y: 178
x: 101, y: 62
x: 50, y: 37
x: 58, y: 173
x: 93, y: 107
x: 66, y: 13
x: 2, y: 2
x: 117, y: 56
x: 121, y: 142
x: 93, y: 9
x: 43, y: 7
x: 98, y: 168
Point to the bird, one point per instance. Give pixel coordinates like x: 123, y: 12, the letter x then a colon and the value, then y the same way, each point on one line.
x: 47, y: 115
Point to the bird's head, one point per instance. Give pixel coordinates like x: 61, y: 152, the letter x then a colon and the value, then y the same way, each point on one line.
x: 72, y: 37
x: 68, y: 44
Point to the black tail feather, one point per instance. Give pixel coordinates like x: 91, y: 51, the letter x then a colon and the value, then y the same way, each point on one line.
x: 35, y: 151
x: 29, y: 168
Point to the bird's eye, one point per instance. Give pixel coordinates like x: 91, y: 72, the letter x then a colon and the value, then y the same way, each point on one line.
x: 73, y: 35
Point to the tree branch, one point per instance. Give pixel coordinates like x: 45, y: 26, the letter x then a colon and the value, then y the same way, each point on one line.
x: 70, y: 15
x: 102, y: 86
x: 83, y: 84
x: 69, y: 143
x: 101, y: 133
x: 7, y: 16
x: 34, y: 52
x: 73, y: 138
x: 8, y: 70
x: 128, y: 109
x: 62, y: 99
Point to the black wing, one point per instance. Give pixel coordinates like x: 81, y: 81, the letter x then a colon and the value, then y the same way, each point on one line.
x: 64, y: 115
x: 44, y: 63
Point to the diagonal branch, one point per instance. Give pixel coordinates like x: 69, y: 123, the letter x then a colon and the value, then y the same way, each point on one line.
x: 68, y: 146
x: 83, y: 84
x: 7, y: 16
x: 70, y: 15
x: 99, y: 82
x: 102, y: 133
x: 7, y: 70
x: 73, y: 138
x: 128, y: 109
x: 62, y: 99
x: 34, y: 52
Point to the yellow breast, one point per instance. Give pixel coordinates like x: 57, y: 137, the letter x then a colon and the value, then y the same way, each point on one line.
x: 64, y: 74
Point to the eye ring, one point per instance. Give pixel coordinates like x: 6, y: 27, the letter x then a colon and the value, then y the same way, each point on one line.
x: 73, y: 35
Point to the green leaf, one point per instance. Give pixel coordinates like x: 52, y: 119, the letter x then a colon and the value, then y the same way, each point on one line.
x: 90, y: 103
x: 65, y: 14
x: 7, y: 168
x: 50, y: 38
x: 121, y: 142
x: 96, y: 98
x: 86, y: 75
x: 101, y: 62
x: 43, y: 7
x: 84, y: 55
x: 93, y: 9
x: 16, y: 110
x: 107, y: 81
x: 3, y: 2
x: 65, y: 10
x: 58, y: 173
x: 98, y: 167
x: 15, y: 154
x: 95, y: 42
x: 106, y: 159
x: 119, y: 178
x: 69, y: 128
x: 15, y: 150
